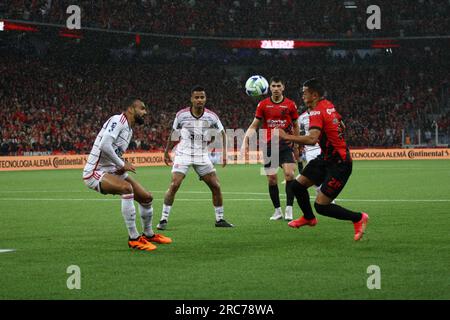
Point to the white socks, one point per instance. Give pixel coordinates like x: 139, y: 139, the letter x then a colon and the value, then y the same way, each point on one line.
x: 146, y: 212
x: 219, y: 213
x: 129, y: 215
x: 165, y: 212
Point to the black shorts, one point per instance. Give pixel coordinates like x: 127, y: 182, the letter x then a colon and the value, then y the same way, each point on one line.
x: 332, y: 176
x: 286, y: 155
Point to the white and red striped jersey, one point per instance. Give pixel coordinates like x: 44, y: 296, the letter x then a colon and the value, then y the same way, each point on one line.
x: 195, y: 133
x: 303, y: 122
x: 118, y: 128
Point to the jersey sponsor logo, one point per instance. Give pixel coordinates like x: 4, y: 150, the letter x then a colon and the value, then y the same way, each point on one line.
x: 276, y: 123
x: 197, y: 124
x: 284, y: 107
x: 198, y: 137
x: 314, y: 113
x: 330, y: 111
x: 269, y: 106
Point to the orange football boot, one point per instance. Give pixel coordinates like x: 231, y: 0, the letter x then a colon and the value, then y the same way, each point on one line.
x: 141, y: 244
x: 302, y: 222
x: 158, y: 238
x: 361, y: 226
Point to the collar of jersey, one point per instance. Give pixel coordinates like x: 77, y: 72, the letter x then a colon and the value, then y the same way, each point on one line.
x: 277, y: 102
x: 190, y: 110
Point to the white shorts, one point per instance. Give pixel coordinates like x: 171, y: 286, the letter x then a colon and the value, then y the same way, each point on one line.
x: 312, y: 154
x: 183, y: 167
x: 93, y: 179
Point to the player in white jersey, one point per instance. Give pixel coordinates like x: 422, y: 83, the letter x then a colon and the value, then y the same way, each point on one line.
x: 309, y: 152
x: 107, y: 173
x: 195, y: 127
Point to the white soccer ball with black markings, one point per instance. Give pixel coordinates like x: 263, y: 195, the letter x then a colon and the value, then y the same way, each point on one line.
x: 256, y: 86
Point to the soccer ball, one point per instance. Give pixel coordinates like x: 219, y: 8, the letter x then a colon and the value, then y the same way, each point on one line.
x: 256, y: 86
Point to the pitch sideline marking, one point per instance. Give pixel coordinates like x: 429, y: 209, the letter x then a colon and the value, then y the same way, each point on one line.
x: 7, y: 250
x: 343, y: 200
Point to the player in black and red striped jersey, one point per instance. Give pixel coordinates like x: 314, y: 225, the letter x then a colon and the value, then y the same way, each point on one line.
x: 274, y: 112
x: 331, y: 168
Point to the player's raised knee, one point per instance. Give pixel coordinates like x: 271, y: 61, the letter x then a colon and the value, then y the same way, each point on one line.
x: 126, y: 188
x: 147, y: 197
x: 289, y: 177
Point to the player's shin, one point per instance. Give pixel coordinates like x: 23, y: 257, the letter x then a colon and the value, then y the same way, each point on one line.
x: 166, y: 212
x: 129, y: 215
x: 146, y: 211
x: 218, y: 212
x: 274, y: 195
x: 289, y: 193
x: 337, y: 212
x: 302, y: 195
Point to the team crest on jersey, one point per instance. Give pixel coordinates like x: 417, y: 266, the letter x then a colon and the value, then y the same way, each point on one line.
x: 335, y: 121
x: 113, y: 125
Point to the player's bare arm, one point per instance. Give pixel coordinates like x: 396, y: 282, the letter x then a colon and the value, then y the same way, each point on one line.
x: 224, y: 148
x: 250, y: 132
x: 311, y: 139
x: 169, y: 146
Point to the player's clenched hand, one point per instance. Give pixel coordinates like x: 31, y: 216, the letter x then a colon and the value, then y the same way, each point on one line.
x: 167, y: 159
x: 120, y: 171
x: 129, y: 167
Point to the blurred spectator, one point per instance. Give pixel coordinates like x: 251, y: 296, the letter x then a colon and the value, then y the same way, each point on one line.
x: 253, y: 18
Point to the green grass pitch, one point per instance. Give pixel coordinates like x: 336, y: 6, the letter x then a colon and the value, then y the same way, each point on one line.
x: 53, y: 221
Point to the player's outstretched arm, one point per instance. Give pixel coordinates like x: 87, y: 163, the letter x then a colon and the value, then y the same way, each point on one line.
x: 311, y: 139
x: 249, y: 133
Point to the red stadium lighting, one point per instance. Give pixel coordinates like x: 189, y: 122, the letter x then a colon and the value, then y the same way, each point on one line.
x: 384, y: 44
x: 9, y: 26
x: 313, y: 44
x: 66, y: 33
x: 138, y: 40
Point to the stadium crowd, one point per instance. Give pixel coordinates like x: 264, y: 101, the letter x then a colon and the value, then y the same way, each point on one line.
x: 238, y: 18
x: 50, y: 106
